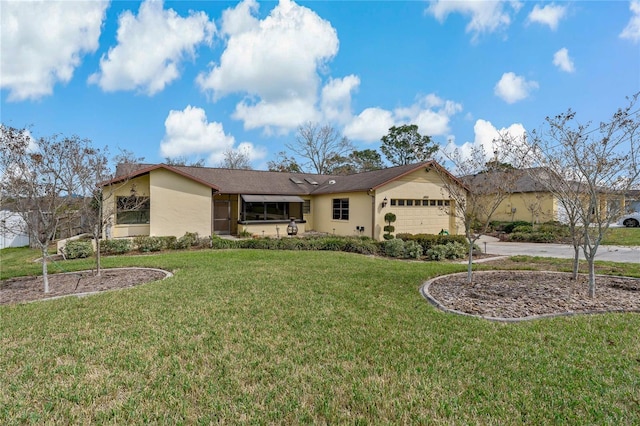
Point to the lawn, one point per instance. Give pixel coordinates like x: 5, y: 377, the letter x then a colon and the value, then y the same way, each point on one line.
x: 247, y: 336
x: 622, y: 237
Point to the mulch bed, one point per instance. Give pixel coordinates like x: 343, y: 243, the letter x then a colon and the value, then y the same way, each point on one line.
x: 526, y: 294
x: 25, y: 289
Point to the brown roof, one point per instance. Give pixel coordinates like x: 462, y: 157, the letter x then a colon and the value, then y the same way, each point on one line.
x: 237, y: 181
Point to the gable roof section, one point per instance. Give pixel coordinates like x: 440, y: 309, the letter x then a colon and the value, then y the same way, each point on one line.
x: 257, y: 182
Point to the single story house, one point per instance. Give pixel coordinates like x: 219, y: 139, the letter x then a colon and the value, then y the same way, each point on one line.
x: 164, y: 200
x: 529, y: 197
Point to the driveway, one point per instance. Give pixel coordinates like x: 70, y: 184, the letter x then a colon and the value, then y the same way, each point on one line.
x: 492, y: 245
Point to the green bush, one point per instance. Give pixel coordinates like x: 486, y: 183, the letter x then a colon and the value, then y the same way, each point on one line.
x: 77, y: 249
x: 412, y: 250
x: 509, y: 227
x: 427, y: 241
x: 394, y: 248
x: 146, y: 244
x: 362, y: 245
x: 523, y: 228
x: 169, y: 242
x: 222, y: 243
x: 115, y: 246
x: 454, y: 250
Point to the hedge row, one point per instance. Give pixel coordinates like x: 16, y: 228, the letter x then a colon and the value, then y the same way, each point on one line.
x: 406, y: 246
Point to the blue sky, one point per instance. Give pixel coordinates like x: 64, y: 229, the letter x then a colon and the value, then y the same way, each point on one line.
x: 195, y: 79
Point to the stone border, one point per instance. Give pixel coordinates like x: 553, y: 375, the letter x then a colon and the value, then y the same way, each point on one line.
x: 167, y: 274
x: 424, y: 290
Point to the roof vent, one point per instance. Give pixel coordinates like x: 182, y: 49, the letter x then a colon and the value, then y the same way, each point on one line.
x: 331, y: 182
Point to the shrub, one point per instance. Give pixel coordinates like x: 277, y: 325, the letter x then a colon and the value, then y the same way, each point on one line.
x: 77, y: 249
x: 454, y: 250
x: 523, y: 228
x: 115, y: 246
x: 363, y: 245
x: 333, y: 243
x: 509, y: 227
x: 169, y: 242
x: 221, y: 243
x: 427, y: 241
x: 146, y: 244
x: 412, y: 250
x: 394, y: 248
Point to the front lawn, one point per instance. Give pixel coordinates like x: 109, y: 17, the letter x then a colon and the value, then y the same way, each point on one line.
x: 622, y: 237
x: 252, y: 336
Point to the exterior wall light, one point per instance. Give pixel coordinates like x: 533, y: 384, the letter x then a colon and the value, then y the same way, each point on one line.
x: 384, y: 202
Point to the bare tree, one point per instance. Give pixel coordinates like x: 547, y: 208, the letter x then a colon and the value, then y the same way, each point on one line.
x: 47, y: 180
x: 599, y: 164
x: 183, y: 161
x: 320, y: 146
x: 481, y: 188
x: 236, y: 159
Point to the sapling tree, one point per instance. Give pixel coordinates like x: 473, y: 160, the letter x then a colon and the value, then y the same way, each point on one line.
x: 481, y: 184
x: 598, y: 164
x: 47, y: 180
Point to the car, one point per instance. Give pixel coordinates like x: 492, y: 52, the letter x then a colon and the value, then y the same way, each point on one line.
x: 632, y: 220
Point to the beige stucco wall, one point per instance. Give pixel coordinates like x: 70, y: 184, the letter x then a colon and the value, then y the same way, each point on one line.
x: 179, y: 205
x: 536, y: 207
x: 123, y: 189
x: 419, y: 185
x: 360, y: 205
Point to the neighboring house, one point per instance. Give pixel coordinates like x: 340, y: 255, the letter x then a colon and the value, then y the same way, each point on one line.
x: 163, y: 200
x: 13, y: 230
x: 530, y: 198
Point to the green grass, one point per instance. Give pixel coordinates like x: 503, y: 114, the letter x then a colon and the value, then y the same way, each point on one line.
x: 622, y: 237
x: 248, y: 336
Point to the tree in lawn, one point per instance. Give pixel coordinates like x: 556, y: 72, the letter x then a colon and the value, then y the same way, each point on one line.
x: 46, y: 181
x: 404, y: 145
x: 597, y: 164
x: 481, y: 186
x: 320, y: 146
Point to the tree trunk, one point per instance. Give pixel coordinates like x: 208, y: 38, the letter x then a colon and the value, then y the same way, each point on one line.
x: 470, y: 265
x: 576, y: 261
x: 98, y: 259
x: 592, y: 278
x: 45, y: 275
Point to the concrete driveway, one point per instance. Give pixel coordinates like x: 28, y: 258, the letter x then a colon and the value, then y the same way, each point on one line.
x: 610, y: 253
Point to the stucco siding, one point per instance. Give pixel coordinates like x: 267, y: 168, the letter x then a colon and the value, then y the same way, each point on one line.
x: 536, y: 207
x: 415, y: 219
x: 179, y: 205
x: 360, y: 205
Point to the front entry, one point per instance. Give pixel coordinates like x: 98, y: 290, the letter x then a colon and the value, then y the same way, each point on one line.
x: 221, y: 217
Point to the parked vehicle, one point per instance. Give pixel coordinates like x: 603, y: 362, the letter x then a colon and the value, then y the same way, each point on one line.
x: 631, y: 220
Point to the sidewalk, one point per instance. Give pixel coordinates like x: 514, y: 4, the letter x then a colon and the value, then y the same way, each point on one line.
x: 492, y: 245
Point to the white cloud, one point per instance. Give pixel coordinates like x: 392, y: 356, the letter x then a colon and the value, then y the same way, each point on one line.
x: 151, y: 47
x: 43, y: 42
x: 188, y: 133
x: 485, y: 16
x: 336, y: 98
x: 562, y: 60
x: 513, y: 88
x: 632, y: 30
x: 485, y: 134
x: 550, y: 15
x: 275, y: 62
x: 431, y: 114
x: 370, y: 125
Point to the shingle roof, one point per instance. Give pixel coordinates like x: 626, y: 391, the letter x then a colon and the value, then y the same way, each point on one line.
x: 236, y: 181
